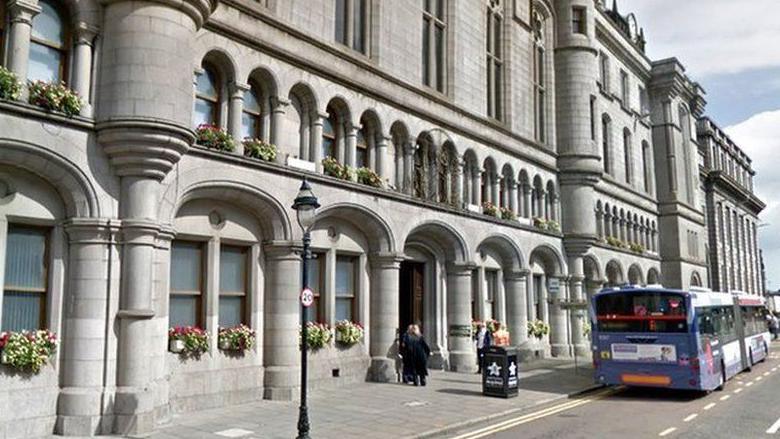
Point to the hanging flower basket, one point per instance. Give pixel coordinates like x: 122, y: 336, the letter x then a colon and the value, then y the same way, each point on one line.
x: 188, y: 340
x: 238, y: 338
x: 318, y: 335
x: 538, y: 329
x: 27, y: 351
x: 348, y: 333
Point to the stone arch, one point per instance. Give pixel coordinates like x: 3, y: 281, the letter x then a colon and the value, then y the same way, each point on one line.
x: 507, y: 249
x: 274, y: 226
x: 259, y: 101
x: 653, y: 277
x: 489, y: 180
x: 304, y: 110
x: 399, y: 134
x: 447, y: 173
x: 424, y: 167
x: 369, y: 136
x: 592, y: 267
x: 696, y: 280
x: 505, y: 188
x: 635, y: 275
x: 223, y: 62
x: 549, y: 258
x: 74, y: 186
x: 614, y: 273
x: 443, y: 236
x: 374, y: 227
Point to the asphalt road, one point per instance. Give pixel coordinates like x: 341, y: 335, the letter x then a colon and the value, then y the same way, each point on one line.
x: 748, y: 407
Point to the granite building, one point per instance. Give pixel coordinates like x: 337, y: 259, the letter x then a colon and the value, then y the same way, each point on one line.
x: 513, y: 157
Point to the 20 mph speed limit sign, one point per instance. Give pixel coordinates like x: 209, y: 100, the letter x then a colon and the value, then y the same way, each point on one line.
x: 307, y: 297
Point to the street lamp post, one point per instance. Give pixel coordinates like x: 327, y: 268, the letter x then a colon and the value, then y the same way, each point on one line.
x: 305, y: 206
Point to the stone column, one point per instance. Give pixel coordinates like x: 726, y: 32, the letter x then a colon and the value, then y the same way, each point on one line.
x: 577, y: 316
x: 315, y: 144
x: 462, y: 355
x: 83, y: 352
x: 516, y: 313
x: 278, y: 128
x: 398, y: 151
x: 383, y: 162
x: 408, y: 168
x: 476, y: 186
x: 143, y: 141
x: 385, y: 273
x: 459, y: 189
x: 351, y: 144
x: 21, y: 13
x: 527, y: 206
x: 82, y: 65
x: 495, y: 190
x: 559, y: 345
x: 544, y: 210
x: 512, y: 194
x: 236, y: 91
x: 282, y: 319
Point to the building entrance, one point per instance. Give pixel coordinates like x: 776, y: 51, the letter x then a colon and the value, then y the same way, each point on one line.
x: 412, y: 287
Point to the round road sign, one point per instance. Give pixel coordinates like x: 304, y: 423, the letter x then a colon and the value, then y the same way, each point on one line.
x: 307, y: 297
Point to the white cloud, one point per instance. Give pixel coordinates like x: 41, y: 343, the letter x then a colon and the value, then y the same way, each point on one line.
x: 759, y: 137
x: 710, y: 36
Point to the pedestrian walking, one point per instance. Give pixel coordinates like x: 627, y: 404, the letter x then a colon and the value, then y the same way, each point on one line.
x: 404, y: 350
x: 774, y: 326
x: 484, y: 339
x: 419, y: 351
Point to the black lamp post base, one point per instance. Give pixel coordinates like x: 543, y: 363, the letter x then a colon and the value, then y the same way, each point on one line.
x: 303, y: 423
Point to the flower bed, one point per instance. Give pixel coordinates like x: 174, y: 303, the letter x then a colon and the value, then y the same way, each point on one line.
x: 507, y: 214
x: 27, y: 351
x: 489, y: 209
x: 10, y: 87
x: 188, y: 340
x: 368, y: 177
x: 237, y: 338
x: 259, y: 149
x: 214, y: 137
x: 348, y: 333
x: 538, y: 329
x: 317, y: 335
x: 54, y: 97
x: 333, y: 168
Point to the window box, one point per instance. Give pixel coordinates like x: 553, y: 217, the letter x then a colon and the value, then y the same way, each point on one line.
x: 188, y: 340
x: 238, y: 338
x: 333, y: 168
x: 10, y: 87
x: 348, y: 333
x: 368, y: 177
x: 259, y: 149
x: 54, y: 97
x: 538, y: 329
x: 489, y: 209
x: 27, y: 351
x: 318, y: 335
x: 507, y: 214
x: 214, y: 137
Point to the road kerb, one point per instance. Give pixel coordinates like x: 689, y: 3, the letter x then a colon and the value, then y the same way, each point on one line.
x: 482, y: 419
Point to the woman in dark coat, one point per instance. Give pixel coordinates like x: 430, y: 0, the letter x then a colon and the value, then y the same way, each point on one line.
x: 419, y: 351
x: 406, y: 355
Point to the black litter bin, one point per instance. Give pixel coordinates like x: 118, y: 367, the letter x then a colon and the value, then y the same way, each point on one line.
x: 499, y: 374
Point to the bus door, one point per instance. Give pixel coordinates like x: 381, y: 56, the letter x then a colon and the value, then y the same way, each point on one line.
x: 743, y: 349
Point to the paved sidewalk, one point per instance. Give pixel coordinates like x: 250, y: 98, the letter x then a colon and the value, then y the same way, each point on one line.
x: 373, y: 410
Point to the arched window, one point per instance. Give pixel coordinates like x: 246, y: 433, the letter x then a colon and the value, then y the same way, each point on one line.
x: 252, y: 115
x: 361, y: 149
x: 329, y: 136
x: 627, y: 156
x: 48, y: 45
x: 207, y: 97
x: 646, y: 175
x: 540, y: 77
x: 606, y: 135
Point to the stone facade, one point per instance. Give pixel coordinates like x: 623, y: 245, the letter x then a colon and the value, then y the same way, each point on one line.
x: 593, y: 185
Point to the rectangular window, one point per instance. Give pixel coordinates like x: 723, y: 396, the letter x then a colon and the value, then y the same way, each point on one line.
x: 491, y: 279
x: 624, y: 88
x: 539, y: 94
x: 538, y: 304
x: 186, y: 284
x: 346, y: 274
x: 593, y: 117
x: 316, y: 276
x: 341, y: 21
x: 25, y: 289
x: 578, y: 23
x: 604, y: 72
x: 433, y: 45
x: 232, y: 285
x: 494, y: 64
x: 2, y: 34
x: 350, y: 23
x: 644, y: 102
x: 359, y: 11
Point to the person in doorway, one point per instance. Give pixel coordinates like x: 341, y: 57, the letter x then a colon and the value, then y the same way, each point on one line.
x: 404, y: 351
x: 419, y: 351
x: 484, y: 339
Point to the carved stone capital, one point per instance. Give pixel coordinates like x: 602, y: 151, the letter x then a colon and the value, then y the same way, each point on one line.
x: 144, y: 148
x: 198, y: 10
x: 22, y: 11
x: 85, y: 33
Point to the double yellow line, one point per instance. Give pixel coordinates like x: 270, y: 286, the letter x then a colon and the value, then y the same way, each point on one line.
x: 549, y: 411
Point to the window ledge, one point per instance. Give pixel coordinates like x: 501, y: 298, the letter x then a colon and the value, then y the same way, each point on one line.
x: 646, y: 254
x: 35, y: 112
x: 359, y: 187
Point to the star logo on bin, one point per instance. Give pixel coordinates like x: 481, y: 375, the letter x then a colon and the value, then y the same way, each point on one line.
x: 494, y: 369
x: 512, y: 369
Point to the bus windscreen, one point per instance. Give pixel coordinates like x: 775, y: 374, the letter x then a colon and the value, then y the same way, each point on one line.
x: 641, y: 312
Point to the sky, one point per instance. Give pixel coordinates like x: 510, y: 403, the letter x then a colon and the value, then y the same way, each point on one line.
x: 732, y: 48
